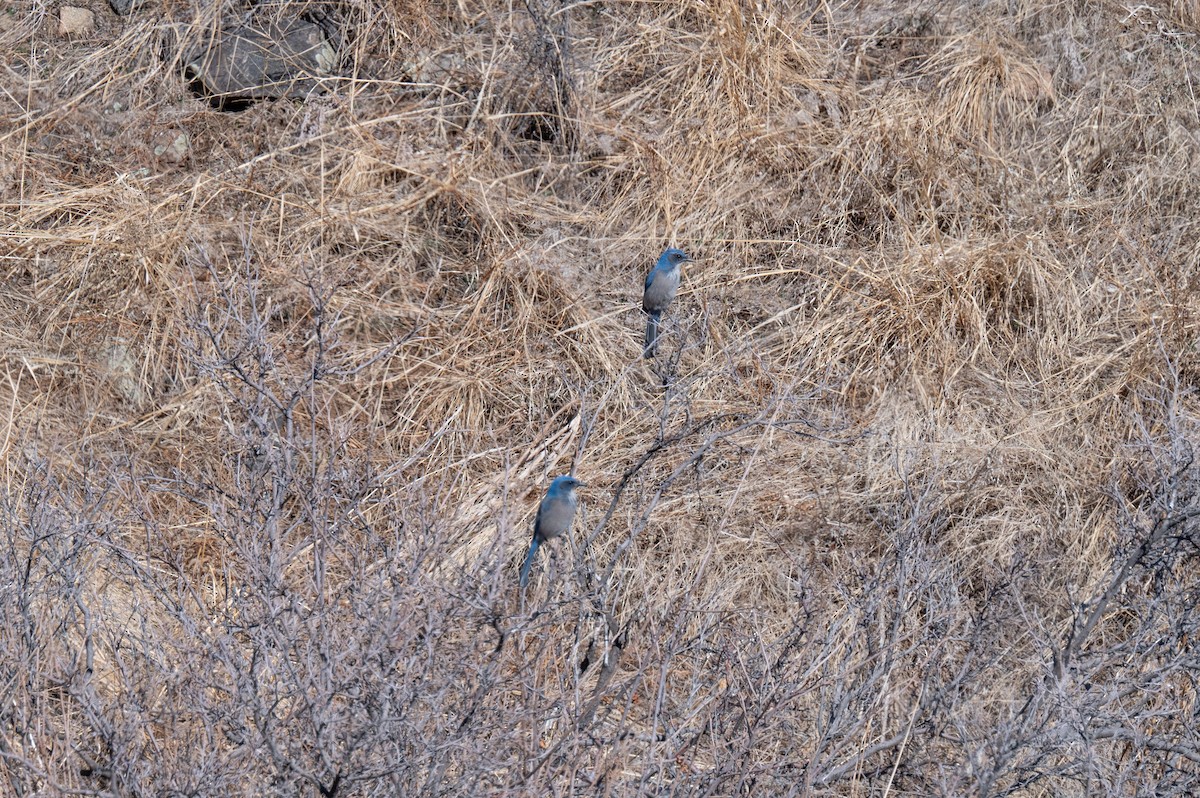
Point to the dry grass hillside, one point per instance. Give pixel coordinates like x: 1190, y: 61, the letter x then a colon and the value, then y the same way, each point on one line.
x: 905, y: 505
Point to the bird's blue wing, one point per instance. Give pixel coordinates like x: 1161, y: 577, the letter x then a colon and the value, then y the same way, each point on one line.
x: 650, y: 277
x: 537, y: 520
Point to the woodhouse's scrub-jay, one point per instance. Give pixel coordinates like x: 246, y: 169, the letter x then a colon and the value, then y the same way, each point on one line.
x: 554, y: 517
x: 662, y: 283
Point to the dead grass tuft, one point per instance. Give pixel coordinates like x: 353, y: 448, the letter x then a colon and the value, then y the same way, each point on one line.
x: 989, y: 86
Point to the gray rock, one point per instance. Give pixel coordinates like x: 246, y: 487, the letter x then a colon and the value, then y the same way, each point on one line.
x: 172, y: 144
x: 74, y: 21
x: 262, y: 61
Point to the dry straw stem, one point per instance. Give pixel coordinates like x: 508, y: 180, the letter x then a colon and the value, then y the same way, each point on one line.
x: 280, y: 406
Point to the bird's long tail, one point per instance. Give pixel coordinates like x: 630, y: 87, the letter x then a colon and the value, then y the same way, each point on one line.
x: 652, y: 318
x: 533, y: 547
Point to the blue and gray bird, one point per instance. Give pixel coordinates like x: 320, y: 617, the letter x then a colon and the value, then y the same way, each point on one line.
x: 662, y: 283
x: 554, y: 517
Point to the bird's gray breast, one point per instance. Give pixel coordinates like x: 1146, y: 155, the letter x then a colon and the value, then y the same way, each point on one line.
x: 662, y: 290
x: 555, y: 517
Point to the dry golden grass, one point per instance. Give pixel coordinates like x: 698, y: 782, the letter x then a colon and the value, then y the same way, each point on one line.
x: 955, y: 251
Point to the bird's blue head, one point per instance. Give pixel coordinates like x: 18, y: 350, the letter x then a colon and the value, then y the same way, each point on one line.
x: 672, y: 259
x: 564, y: 485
